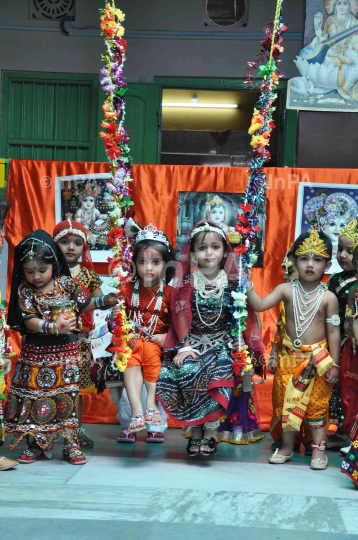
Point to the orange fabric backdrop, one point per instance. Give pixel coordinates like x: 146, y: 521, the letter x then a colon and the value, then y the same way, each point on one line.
x: 31, y: 185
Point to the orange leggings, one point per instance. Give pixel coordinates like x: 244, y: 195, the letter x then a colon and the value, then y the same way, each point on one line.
x: 149, y: 356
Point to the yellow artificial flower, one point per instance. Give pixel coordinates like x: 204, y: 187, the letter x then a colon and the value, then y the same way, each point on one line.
x: 258, y: 141
x: 120, y: 31
x: 253, y: 128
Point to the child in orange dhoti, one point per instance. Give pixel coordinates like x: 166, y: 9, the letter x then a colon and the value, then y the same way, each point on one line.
x: 282, y: 375
x: 312, y: 325
x: 147, y: 303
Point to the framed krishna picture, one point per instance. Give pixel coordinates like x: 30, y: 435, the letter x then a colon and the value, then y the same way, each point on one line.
x: 219, y: 208
x: 328, y: 208
x: 82, y: 197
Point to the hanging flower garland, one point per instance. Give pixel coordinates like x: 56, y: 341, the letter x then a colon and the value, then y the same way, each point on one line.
x: 5, y: 352
x: 247, y: 219
x: 115, y: 139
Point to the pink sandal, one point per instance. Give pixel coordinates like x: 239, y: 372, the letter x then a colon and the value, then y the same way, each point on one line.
x: 154, y: 437
x: 138, y: 418
x: 126, y: 436
x: 151, y: 413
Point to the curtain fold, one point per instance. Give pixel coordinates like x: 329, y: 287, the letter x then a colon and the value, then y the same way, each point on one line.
x: 31, y: 186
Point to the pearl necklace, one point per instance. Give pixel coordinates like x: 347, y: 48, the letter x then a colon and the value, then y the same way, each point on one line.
x: 219, y: 283
x: 304, y: 315
x: 201, y: 282
x: 136, y: 314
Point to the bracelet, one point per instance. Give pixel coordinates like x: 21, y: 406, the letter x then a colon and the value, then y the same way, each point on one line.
x: 48, y: 328
x: 337, y: 366
x: 185, y: 349
x: 98, y: 302
x: 252, y: 286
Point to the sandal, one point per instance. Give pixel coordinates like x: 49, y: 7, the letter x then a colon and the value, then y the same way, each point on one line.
x: 154, y: 437
x: 84, y: 440
x: 138, y: 418
x: 73, y: 456
x: 7, y: 463
x: 32, y: 454
x: 319, y: 464
x: 212, y: 443
x: 193, y: 442
x: 151, y: 413
x: 126, y: 436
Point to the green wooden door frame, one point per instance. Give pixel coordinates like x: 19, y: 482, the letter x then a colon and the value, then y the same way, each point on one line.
x: 69, y: 78
x: 288, y: 121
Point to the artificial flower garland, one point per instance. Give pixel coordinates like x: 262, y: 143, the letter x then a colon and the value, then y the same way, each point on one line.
x: 115, y: 139
x: 5, y: 352
x: 247, y: 220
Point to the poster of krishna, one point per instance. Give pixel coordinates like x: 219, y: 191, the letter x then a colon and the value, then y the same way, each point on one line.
x: 83, y: 199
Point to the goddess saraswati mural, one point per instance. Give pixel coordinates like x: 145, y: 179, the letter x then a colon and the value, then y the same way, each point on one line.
x: 328, y: 64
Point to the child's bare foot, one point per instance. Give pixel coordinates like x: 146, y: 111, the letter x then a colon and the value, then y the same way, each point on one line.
x: 285, y: 451
x: 196, y: 433
x: 205, y: 448
x: 153, y: 417
x: 137, y: 423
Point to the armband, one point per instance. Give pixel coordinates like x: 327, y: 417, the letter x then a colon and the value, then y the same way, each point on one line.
x: 335, y: 320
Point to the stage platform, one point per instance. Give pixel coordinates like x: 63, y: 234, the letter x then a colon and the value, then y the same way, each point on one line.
x: 151, y: 492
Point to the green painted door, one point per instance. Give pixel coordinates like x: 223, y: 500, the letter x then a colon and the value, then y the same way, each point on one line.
x: 142, y: 120
x: 49, y: 116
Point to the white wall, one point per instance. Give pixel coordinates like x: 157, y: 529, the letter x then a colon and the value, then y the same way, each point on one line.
x: 53, y: 52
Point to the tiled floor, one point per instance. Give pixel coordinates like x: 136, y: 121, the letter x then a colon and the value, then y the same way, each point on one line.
x: 150, y: 492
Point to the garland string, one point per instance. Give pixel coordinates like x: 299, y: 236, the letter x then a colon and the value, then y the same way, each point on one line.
x: 247, y: 219
x: 115, y: 139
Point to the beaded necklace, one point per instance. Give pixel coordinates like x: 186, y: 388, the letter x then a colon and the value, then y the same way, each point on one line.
x: 218, y: 285
x: 303, y: 311
x: 137, y: 315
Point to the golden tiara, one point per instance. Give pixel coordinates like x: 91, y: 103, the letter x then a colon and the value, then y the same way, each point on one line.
x: 313, y: 244
x: 351, y: 232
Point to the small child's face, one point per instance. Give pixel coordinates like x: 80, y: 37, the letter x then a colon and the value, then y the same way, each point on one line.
x: 217, y: 215
x: 209, y: 251
x: 37, y: 272
x: 72, y: 248
x: 292, y: 271
x: 149, y: 265
x: 311, y: 267
x: 345, y: 254
x: 88, y: 203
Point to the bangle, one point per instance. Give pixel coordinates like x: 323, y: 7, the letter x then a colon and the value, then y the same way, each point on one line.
x: 185, y: 349
x: 48, y: 328
x: 337, y: 366
x: 252, y: 286
x: 98, y: 302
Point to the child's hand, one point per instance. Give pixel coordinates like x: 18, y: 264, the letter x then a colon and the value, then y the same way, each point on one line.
x: 332, y: 375
x: 159, y: 339
x: 65, y: 325
x: 115, y: 311
x: 7, y: 365
x: 110, y: 300
x: 180, y: 357
x: 272, y: 364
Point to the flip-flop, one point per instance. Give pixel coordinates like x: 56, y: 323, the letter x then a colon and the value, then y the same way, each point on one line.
x: 127, y: 437
x: 138, y: 418
x: 151, y: 413
x: 153, y: 437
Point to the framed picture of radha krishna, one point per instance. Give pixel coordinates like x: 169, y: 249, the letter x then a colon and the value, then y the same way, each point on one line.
x: 83, y: 199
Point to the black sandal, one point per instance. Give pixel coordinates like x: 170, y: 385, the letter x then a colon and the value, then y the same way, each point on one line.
x: 193, y: 442
x: 212, y: 443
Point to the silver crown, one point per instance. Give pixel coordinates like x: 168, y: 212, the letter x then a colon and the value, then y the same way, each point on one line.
x: 207, y: 228
x: 151, y: 233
